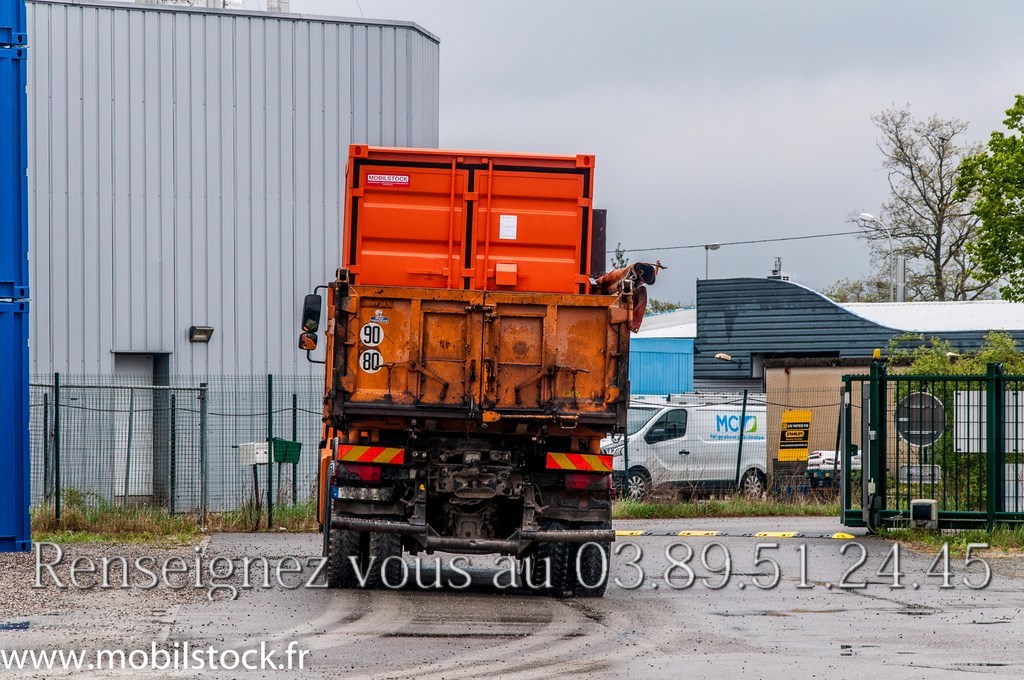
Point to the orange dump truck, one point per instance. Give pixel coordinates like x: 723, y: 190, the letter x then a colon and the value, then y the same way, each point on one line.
x: 472, y: 368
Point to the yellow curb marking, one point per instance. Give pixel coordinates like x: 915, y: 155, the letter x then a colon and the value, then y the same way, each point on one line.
x: 698, y: 533
x: 632, y: 532
x: 843, y: 536
x: 776, y: 534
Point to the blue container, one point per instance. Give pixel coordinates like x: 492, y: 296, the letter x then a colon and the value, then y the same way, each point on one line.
x: 12, y: 22
x: 14, y: 451
x: 660, y: 365
x: 13, y: 174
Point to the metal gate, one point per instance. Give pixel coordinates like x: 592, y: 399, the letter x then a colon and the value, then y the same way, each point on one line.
x: 957, y: 440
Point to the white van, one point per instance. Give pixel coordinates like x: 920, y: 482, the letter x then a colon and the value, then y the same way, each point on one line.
x: 691, y: 445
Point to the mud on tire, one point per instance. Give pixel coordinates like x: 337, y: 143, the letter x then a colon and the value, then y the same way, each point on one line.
x: 384, y: 572
x: 559, y: 557
x: 340, y: 571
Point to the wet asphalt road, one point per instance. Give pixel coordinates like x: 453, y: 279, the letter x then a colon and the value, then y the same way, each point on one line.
x: 653, y: 631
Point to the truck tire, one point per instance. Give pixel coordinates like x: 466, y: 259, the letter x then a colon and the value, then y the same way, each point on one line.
x: 589, y: 571
x: 559, y: 555
x: 340, y: 571
x: 389, y: 575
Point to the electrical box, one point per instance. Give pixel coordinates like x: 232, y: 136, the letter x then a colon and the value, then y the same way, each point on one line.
x: 253, y: 453
x: 924, y: 513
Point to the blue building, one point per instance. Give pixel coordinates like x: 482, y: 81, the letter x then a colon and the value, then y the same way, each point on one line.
x: 661, y: 354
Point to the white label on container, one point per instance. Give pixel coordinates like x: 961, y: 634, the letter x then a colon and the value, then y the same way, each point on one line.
x: 508, y: 227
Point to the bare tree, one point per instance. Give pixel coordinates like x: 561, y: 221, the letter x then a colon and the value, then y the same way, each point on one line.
x: 928, y: 224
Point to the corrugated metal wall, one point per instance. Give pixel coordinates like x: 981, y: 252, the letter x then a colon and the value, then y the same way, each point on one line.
x: 660, y: 366
x: 187, y: 168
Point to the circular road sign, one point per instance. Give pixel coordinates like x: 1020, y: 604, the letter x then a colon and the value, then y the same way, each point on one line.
x: 920, y: 419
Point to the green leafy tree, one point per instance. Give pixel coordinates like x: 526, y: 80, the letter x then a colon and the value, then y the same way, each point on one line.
x: 912, y: 353
x: 996, y: 177
x: 659, y: 306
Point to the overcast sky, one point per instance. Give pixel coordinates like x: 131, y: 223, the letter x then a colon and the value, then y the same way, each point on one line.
x: 715, y: 121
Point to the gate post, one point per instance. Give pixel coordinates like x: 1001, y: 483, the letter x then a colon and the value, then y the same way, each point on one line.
x: 995, y: 435
x: 877, y: 446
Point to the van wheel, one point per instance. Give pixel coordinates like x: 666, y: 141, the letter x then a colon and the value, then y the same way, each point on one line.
x: 753, y: 483
x: 638, y: 484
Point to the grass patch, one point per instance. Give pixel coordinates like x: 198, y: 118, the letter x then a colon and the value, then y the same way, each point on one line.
x: 87, y: 520
x: 735, y: 506
x: 82, y: 524
x: 1009, y: 540
x: 298, y: 517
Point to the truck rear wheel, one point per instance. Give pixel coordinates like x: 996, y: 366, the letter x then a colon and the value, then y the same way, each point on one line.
x: 589, y: 570
x: 386, y: 573
x: 551, y: 563
x: 341, y: 573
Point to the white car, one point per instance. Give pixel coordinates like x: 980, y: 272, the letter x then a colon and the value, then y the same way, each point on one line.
x: 826, y: 460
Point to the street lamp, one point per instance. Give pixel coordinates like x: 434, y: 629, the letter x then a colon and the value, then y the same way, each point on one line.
x: 868, y: 217
x: 708, y: 247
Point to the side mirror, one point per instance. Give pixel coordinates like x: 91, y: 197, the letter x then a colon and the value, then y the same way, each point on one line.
x: 307, y: 341
x: 311, y: 314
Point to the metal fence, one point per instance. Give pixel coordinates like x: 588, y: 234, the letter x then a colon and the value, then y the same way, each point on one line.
x: 726, y: 433
x: 957, y: 440
x: 101, y: 442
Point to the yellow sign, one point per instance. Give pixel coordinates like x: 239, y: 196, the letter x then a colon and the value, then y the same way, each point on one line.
x: 795, y: 438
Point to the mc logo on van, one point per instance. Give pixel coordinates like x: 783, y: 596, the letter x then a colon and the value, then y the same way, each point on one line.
x: 732, y: 424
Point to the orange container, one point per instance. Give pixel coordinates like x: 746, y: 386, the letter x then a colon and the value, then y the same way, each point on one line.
x: 468, y: 220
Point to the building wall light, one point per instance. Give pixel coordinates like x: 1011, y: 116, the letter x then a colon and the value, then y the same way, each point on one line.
x: 200, y: 333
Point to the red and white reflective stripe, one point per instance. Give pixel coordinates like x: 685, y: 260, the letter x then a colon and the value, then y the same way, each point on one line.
x: 381, y: 455
x: 583, y: 462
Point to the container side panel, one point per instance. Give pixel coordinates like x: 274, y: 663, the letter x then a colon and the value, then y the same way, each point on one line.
x: 580, y: 368
x: 12, y: 22
x: 13, y: 177
x: 410, y: 227
x: 529, y: 229
x: 14, y: 413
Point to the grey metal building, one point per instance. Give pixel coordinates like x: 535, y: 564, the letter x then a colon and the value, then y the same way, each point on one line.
x: 752, y: 321
x: 186, y: 169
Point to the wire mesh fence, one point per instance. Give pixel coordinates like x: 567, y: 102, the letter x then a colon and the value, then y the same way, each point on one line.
x: 106, y: 441
x: 783, y: 440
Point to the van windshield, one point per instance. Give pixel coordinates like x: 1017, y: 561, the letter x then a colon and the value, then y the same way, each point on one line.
x: 637, y: 418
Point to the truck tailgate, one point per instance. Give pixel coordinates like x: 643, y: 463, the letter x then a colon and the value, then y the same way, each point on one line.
x: 465, y: 351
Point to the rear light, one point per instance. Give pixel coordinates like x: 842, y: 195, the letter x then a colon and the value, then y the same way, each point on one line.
x: 354, y: 472
x: 585, y: 481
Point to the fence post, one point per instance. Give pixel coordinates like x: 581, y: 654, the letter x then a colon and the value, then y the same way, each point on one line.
x: 47, y: 469
x: 295, y: 438
x: 128, y: 446
x: 739, y: 449
x: 995, y: 434
x: 203, y: 424
x: 270, y: 452
x: 56, y: 446
x: 172, y: 454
